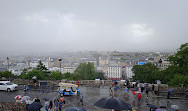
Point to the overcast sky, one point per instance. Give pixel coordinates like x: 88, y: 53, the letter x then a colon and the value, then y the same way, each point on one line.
x: 99, y: 25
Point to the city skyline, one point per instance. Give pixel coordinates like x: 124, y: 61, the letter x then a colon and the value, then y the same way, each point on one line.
x: 130, y: 26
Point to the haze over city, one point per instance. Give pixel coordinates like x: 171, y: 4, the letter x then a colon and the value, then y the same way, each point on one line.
x: 100, y: 25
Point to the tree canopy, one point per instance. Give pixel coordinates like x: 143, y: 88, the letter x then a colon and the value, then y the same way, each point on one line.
x: 179, y: 67
x: 175, y: 75
x: 145, y: 73
x: 41, y: 66
x: 86, y: 71
x: 7, y: 74
x: 41, y: 72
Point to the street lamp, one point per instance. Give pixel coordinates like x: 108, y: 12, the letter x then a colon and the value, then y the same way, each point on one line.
x: 8, y: 62
x: 60, y: 67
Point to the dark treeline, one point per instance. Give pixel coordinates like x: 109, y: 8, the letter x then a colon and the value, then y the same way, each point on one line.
x: 175, y: 75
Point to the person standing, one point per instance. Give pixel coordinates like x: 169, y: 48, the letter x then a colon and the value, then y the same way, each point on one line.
x: 60, y: 105
x: 168, y: 95
x: 153, y: 88
x: 46, y: 104
x: 51, y: 105
x: 103, y: 83
x: 142, y: 88
x: 126, y: 90
x: 133, y: 92
x: 139, y: 96
x: 81, y: 99
x: 111, y: 85
x: 147, y: 91
x: 37, y: 99
x: 62, y: 99
x: 56, y: 101
x: 27, y: 104
x: 78, y: 83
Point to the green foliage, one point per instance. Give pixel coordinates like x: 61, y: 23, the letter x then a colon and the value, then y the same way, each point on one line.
x: 179, y: 80
x: 41, y: 66
x: 100, y: 75
x: 67, y: 75
x: 7, y: 74
x: 177, y: 73
x: 75, y: 77
x: 41, y: 72
x: 55, y: 75
x: 86, y: 71
x: 174, y: 75
x: 168, y: 74
x: 181, y: 57
x: 145, y: 73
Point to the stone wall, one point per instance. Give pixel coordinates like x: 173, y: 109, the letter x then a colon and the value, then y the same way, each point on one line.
x: 12, y: 106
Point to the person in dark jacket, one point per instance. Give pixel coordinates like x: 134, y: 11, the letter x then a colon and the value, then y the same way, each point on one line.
x: 51, y: 105
x: 168, y: 95
x: 147, y: 91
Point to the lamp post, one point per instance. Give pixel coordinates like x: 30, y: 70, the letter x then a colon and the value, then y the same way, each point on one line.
x: 60, y: 67
x: 8, y: 62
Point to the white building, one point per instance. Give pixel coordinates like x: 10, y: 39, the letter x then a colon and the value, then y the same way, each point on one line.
x: 16, y: 71
x: 56, y: 69
x: 63, y: 69
x: 35, y: 63
x: 69, y: 69
x: 128, y: 72
x: 114, y: 72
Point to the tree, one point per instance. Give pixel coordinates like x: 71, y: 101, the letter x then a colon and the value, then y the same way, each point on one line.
x: 180, y: 59
x: 168, y: 74
x: 86, y: 71
x: 7, y: 74
x: 23, y: 74
x: 177, y: 73
x: 145, y: 73
x: 67, y: 75
x: 179, y: 80
x: 100, y: 75
x: 41, y: 66
x: 90, y: 71
x: 75, y: 77
x: 55, y: 75
x: 41, y: 72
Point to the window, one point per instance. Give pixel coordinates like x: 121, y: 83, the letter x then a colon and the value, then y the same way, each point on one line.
x: 9, y: 83
x: 2, y: 84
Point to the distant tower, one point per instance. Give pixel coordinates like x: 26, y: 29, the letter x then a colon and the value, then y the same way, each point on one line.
x: 7, y: 62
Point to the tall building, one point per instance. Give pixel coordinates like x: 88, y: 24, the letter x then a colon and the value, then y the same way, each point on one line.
x: 162, y: 64
x: 128, y: 71
x: 114, y: 72
x: 103, y: 61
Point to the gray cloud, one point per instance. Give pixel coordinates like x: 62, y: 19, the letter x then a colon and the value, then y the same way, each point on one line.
x: 36, y: 26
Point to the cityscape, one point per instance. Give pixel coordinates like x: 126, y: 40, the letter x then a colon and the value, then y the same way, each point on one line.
x: 115, y: 65
x: 93, y: 55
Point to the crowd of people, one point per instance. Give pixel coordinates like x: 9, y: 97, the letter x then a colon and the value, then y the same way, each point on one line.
x: 138, y: 91
x: 53, y: 105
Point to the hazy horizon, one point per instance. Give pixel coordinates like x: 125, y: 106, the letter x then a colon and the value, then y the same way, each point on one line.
x: 101, y: 25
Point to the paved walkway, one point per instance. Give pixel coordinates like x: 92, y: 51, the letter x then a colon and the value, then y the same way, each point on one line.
x: 91, y: 95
